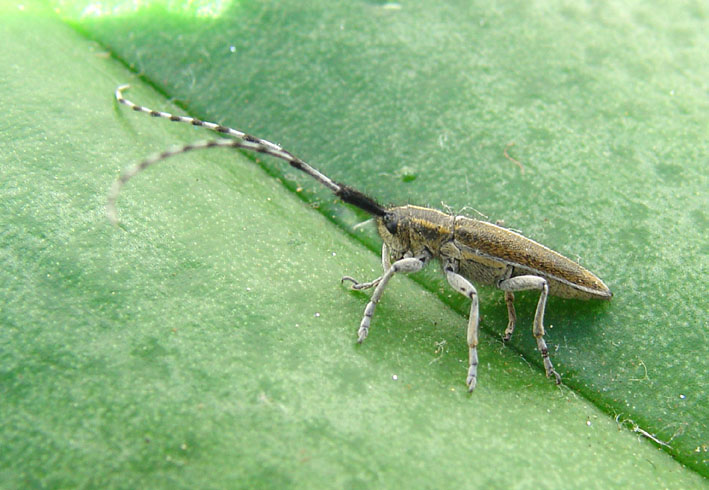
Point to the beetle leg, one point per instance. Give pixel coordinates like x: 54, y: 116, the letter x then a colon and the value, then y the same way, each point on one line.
x: 361, y: 285
x: 512, y: 316
x: 524, y: 283
x: 406, y: 265
x: 386, y: 264
x: 465, y: 287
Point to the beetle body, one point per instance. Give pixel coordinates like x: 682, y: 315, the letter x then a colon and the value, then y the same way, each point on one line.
x: 487, y: 253
x: 470, y: 251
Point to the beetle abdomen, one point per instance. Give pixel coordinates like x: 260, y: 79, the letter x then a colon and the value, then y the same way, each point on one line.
x: 566, y: 277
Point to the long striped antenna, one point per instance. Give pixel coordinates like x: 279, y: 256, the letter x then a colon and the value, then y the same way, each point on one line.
x: 242, y: 140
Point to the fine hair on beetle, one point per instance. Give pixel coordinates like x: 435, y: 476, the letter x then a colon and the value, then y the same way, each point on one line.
x: 469, y: 250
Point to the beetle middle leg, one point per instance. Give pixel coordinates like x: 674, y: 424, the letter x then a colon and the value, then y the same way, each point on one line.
x: 525, y: 283
x: 465, y: 287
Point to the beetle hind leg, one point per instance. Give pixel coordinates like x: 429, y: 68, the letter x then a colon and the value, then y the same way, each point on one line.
x: 524, y: 283
x: 512, y: 316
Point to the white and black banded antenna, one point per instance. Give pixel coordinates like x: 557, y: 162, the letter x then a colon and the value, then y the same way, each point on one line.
x: 242, y: 140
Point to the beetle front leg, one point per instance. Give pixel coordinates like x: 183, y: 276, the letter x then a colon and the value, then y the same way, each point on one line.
x: 386, y: 264
x: 524, y: 283
x: 465, y: 287
x: 407, y: 266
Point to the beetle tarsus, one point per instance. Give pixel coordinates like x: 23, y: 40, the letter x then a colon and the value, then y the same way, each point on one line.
x: 358, y: 286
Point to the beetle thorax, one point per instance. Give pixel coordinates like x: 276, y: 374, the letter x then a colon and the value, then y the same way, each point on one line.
x: 413, y: 230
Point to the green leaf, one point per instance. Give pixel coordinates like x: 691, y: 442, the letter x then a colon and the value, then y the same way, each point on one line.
x: 207, y: 343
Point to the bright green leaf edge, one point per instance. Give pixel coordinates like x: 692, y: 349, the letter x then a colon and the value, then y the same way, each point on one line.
x: 128, y: 360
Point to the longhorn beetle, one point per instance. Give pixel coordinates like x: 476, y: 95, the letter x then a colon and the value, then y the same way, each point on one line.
x: 468, y: 249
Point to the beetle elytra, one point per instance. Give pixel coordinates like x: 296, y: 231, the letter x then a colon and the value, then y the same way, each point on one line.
x: 470, y: 250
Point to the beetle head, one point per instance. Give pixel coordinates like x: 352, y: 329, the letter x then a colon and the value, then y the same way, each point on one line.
x: 393, y: 229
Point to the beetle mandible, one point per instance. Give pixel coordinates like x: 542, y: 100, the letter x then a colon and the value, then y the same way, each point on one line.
x: 470, y: 250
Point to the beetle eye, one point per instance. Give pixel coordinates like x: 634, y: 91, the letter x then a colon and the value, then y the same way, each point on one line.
x: 391, y: 223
